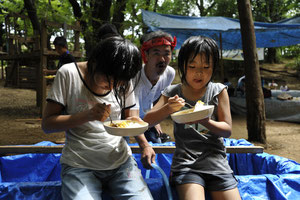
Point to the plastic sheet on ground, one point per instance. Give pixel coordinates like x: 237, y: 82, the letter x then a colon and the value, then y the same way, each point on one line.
x: 280, y: 110
x: 260, y: 176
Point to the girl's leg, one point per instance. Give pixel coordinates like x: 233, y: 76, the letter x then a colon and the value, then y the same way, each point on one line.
x: 232, y: 194
x: 128, y: 183
x: 79, y: 184
x: 190, y: 191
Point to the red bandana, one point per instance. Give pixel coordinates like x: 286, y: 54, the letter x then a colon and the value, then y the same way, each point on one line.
x: 157, y: 42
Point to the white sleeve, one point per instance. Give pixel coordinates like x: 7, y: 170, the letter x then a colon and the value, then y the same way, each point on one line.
x: 58, y: 91
x: 130, y: 101
x: 172, y: 74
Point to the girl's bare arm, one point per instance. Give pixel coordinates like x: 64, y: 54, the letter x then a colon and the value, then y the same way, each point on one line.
x: 148, y: 154
x: 223, y: 126
x: 163, y: 108
x: 54, y: 121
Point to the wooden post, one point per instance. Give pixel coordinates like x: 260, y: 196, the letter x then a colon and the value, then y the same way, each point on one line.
x: 17, y: 67
x: 76, y: 41
x: 2, y: 71
x: 221, y: 59
x: 41, y: 81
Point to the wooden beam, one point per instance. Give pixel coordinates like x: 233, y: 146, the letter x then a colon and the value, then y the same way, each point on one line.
x: 75, y: 27
x: 22, y: 149
x: 17, y: 15
x: 21, y: 56
x: 47, y: 52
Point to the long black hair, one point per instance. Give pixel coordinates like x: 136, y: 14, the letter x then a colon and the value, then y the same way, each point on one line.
x: 191, y: 48
x: 119, y: 60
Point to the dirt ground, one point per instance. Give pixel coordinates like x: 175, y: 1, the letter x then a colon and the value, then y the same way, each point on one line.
x: 20, y: 124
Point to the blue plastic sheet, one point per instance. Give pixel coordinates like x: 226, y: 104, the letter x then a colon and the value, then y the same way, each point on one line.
x: 267, y: 34
x: 260, y: 176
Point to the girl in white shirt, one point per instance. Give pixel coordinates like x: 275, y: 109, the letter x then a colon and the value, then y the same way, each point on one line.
x: 81, y: 99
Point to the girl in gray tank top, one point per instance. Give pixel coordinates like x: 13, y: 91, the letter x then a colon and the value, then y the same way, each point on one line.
x: 199, y: 162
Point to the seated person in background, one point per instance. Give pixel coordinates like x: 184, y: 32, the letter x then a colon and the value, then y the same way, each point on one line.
x: 61, y: 47
x: 154, y: 77
x: 242, y: 90
x: 230, y: 86
x: 267, y: 93
x: 273, y: 85
x: 241, y: 86
x: 284, y: 87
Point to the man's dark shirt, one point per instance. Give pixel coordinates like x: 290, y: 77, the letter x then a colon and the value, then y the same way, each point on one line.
x: 64, y: 59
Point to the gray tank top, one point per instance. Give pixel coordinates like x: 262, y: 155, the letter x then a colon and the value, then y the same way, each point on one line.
x: 197, y: 149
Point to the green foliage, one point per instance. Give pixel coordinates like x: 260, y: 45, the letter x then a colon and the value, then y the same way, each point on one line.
x: 275, y: 10
x: 55, y: 10
x: 290, y: 51
x: 225, y: 9
x: 295, y: 64
x: 176, y: 8
x: 61, y: 11
x: 11, y: 6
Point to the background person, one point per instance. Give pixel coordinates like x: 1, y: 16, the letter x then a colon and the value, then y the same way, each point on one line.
x: 241, y: 87
x: 284, y: 87
x: 89, y: 92
x: 61, y: 47
x: 199, y: 162
x: 229, y: 85
x: 155, y: 76
x: 272, y: 85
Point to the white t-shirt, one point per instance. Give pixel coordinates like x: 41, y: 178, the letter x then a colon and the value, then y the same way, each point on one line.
x: 146, y: 93
x: 88, y: 145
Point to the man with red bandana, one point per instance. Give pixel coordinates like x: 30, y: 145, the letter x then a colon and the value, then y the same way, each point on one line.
x: 154, y: 77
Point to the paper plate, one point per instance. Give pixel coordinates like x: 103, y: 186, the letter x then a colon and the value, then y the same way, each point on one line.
x: 134, y: 128
x: 189, y: 115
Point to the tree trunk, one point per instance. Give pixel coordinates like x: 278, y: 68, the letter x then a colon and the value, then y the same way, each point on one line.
x: 83, y: 24
x: 272, y: 56
x: 31, y: 10
x: 100, y: 14
x: 2, y: 32
x: 155, y: 6
x: 254, y: 95
x: 118, y: 16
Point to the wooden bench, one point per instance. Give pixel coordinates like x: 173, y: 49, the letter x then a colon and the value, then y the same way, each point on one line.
x: 23, y: 149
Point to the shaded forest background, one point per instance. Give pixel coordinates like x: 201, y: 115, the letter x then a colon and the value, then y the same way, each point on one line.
x: 126, y: 16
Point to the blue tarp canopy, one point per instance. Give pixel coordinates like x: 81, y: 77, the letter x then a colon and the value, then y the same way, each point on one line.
x: 267, y: 34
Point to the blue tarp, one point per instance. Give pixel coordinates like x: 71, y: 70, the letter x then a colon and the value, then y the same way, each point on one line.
x: 267, y: 34
x: 260, y: 176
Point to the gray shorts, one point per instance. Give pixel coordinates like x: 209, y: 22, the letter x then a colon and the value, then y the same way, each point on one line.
x: 211, y: 182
